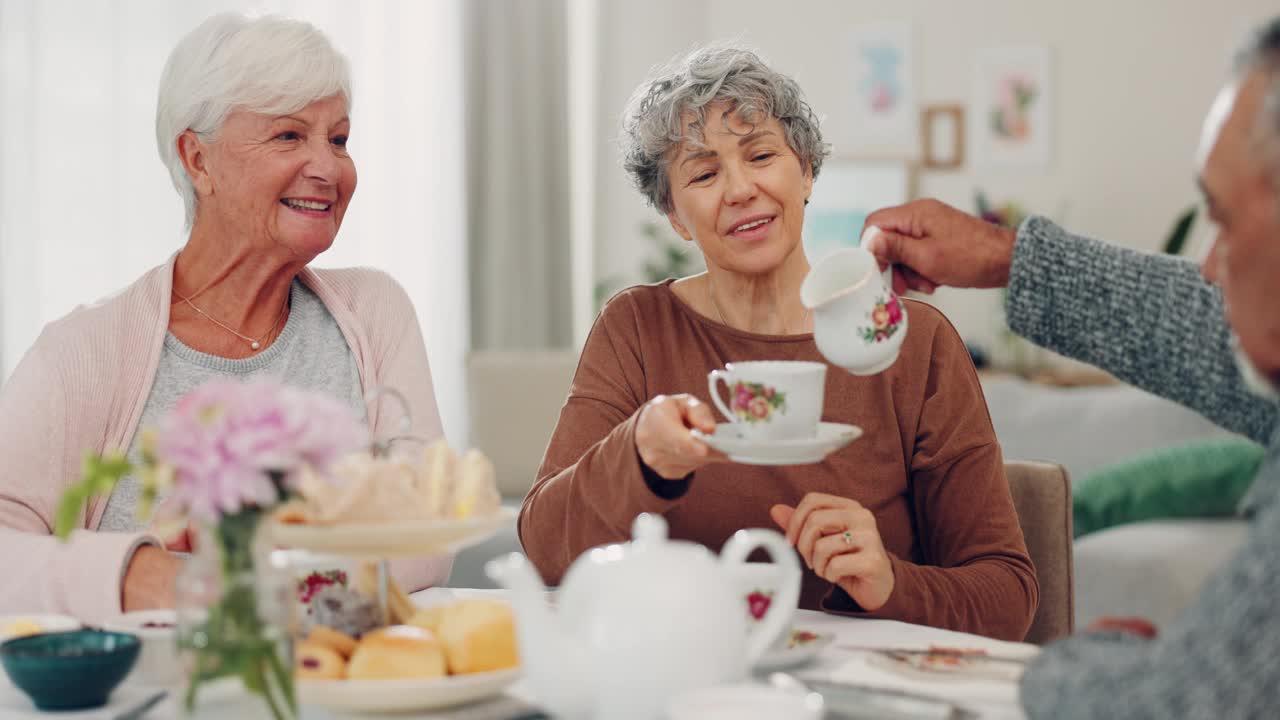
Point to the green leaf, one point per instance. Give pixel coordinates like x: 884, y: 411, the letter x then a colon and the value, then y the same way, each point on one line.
x: 99, y: 475
x: 69, y: 508
x: 285, y: 679
x: 1181, y: 230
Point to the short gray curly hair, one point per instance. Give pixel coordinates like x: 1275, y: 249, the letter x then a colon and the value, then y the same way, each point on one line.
x: 1261, y: 49
x: 652, y: 124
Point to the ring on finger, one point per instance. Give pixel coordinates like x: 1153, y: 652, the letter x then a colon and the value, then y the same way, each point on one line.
x: 847, y: 537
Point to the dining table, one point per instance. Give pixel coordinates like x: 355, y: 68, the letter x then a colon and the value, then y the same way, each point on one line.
x: 853, y: 656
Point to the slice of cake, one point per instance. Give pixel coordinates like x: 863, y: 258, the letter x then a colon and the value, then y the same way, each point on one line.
x: 479, y: 635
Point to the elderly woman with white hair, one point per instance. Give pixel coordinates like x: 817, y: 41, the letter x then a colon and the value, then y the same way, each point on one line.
x: 912, y: 522
x: 252, y: 122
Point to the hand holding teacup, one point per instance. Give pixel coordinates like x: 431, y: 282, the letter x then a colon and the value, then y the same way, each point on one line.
x: 663, y: 440
x: 838, y: 539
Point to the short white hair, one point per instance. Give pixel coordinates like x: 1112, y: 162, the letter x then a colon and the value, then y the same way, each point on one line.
x: 269, y: 64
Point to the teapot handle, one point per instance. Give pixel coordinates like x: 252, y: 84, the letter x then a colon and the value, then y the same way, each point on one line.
x: 777, y: 618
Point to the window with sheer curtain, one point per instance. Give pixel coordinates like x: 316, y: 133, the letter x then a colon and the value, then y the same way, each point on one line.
x: 86, y: 206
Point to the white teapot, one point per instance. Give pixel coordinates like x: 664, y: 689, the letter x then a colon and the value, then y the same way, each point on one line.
x: 637, y: 623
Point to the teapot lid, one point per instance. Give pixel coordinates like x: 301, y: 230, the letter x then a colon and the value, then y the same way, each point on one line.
x: 649, y: 529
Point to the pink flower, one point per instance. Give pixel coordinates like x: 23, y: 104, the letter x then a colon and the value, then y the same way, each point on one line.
x: 225, y: 438
x: 758, y: 604
x: 759, y: 407
x: 880, y: 316
x: 895, y: 310
x: 741, y: 397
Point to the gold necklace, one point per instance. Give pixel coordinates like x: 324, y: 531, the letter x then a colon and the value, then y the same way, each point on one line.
x: 712, y: 297
x: 719, y: 314
x: 254, y: 344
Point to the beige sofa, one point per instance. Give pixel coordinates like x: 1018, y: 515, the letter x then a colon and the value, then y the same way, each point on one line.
x: 1150, y: 569
x: 514, y: 401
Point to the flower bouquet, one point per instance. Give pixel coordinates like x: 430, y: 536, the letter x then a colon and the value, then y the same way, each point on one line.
x: 221, y: 459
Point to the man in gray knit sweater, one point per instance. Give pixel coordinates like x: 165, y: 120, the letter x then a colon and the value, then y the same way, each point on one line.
x: 1209, y: 339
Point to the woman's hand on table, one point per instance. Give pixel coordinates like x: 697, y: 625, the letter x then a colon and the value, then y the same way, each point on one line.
x: 838, y: 539
x: 663, y: 439
x: 150, y: 578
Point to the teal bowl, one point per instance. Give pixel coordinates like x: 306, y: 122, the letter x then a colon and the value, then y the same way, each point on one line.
x: 70, y: 670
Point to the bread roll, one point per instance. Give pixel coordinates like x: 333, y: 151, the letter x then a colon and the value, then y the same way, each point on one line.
x: 314, y: 661
x: 340, y: 642
x: 398, y: 651
x: 429, y: 618
x: 479, y: 635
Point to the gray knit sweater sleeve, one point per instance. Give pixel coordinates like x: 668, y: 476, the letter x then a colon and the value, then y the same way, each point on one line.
x: 1150, y: 320
x: 1218, y: 659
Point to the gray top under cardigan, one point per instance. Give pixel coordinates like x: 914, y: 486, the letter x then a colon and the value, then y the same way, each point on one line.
x: 310, y: 353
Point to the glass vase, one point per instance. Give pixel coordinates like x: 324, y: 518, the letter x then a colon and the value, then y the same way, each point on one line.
x: 235, y: 614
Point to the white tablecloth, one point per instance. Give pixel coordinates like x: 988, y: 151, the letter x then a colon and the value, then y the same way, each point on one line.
x: 990, y: 699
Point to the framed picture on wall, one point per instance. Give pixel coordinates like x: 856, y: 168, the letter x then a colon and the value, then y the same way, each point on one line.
x: 1012, y: 108
x: 845, y: 192
x: 942, y: 137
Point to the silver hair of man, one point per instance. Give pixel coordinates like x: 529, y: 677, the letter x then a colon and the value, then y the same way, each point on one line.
x: 269, y: 64
x: 725, y: 74
x: 1262, y: 50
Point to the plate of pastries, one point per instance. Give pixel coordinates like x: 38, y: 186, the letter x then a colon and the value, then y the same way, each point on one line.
x: 422, y: 659
x: 434, y: 502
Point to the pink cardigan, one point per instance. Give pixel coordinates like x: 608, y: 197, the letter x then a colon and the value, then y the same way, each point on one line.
x: 82, y: 387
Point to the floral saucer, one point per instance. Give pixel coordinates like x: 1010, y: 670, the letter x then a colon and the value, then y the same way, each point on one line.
x: 802, y: 647
x: 796, y: 451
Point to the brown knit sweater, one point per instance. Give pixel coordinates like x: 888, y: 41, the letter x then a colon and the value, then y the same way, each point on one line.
x: 928, y: 464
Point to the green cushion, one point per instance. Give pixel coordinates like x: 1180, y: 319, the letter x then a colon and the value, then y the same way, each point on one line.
x: 1206, y: 478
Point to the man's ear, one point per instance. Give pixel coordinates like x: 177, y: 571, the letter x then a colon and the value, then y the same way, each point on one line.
x: 194, y: 154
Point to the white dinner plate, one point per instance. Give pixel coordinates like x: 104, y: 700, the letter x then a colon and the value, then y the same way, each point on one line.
x: 803, y: 647
x: 404, y: 695
x: 798, y: 451
x: 45, y: 622
x: 390, y: 539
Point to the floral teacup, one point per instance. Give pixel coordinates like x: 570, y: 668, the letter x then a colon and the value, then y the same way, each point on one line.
x: 771, y: 400
x: 858, y: 322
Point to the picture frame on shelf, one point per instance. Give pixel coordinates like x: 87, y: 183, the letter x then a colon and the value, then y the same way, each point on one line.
x: 942, y: 137
x: 848, y: 189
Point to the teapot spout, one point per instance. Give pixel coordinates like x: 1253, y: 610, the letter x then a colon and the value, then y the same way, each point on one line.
x: 528, y: 597
x: 546, y: 653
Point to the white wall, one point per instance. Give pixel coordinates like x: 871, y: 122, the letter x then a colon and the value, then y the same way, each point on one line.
x: 635, y: 36
x: 1133, y: 79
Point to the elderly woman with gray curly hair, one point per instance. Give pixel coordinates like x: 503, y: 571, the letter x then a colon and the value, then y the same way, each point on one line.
x: 252, y: 122
x: 913, y: 522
